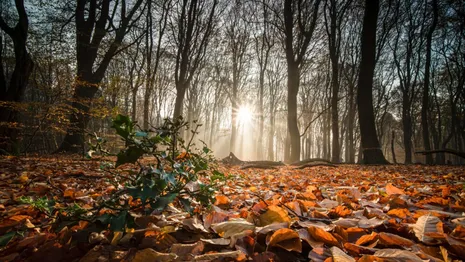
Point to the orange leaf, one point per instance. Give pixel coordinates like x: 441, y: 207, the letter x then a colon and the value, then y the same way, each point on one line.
x: 286, y: 238
x: 323, y: 236
x: 274, y: 214
x: 392, y: 190
x: 222, y: 201
x: 367, y: 239
x: 388, y: 239
x: 400, y: 213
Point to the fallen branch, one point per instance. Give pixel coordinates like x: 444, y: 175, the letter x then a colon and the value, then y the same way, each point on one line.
x: 310, y: 160
x: 261, y: 166
x: 446, y: 150
x: 232, y: 159
x: 314, y: 165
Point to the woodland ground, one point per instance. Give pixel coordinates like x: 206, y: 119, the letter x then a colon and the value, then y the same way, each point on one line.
x: 344, y: 213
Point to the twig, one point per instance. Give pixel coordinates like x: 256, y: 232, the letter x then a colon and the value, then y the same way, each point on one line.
x: 314, y: 165
x: 324, y: 220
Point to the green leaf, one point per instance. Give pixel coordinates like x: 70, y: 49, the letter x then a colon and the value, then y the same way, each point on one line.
x: 118, y: 222
x: 169, y: 178
x: 141, y: 134
x: 104, y: 219
x: 123, y: 125
x: 186, y: 203
x: 6, y: 238
x: 163, y: 201
x: 206, y: 150
x: 130, y: 155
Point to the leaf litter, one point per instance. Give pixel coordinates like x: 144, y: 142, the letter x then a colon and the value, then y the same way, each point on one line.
x: 348, y: 213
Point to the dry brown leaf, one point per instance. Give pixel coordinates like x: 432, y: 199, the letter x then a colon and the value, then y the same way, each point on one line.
x: 339, y: 256
x: 217, y: 241
x: 232, y: 227
x: 367, y: 239
x: 286, y: 238
x: 402, y: 213
x: 388, y: 239
x: 274, y: 214
x: 425, y: 225
x: 222, y: 256
x: 392, y: 190
x: 323, y: 236
x: 398, y: 255
x: 149, y: 254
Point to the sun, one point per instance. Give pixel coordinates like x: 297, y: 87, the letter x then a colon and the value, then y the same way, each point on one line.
x: 244, y: 115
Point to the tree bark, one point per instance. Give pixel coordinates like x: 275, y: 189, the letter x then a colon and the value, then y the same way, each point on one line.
x: 14, y: 92
x: 425, y: 100
x: 90, y: 32
x: 372, y: 153
x: 293, y: 80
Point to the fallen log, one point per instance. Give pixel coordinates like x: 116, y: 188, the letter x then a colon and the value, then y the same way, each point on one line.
x: 257, y: 166
x: 310, y: 160
x: 446, y: 150
x: 232, y: 159
x: 315, y: 164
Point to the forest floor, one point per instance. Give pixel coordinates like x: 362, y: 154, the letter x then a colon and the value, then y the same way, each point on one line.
x: 343, y: 213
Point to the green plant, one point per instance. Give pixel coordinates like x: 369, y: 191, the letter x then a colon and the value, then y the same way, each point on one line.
x: 175, y: 176
x: 177, y: 165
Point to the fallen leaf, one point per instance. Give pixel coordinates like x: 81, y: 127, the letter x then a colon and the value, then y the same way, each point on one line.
x: 424, y: 225
x: 232, y: 227
x: 149, y: 254
x: 388, y: 239
x: 222, y: 256
x: 339, y: 256
x: 274, y: 214
x: 398, y: 255
x: 392, y: 190
x: 323, y: 236
x: 287, y: 239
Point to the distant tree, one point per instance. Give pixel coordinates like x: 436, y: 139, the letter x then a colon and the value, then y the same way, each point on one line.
x: 426, y: 84
x: 192, y: 29
x: 299, y: 22
x: 334, y: 18
x: 12, y: 90
x: 94, y: 21
x: 372, y: 153
x: 237, y: 36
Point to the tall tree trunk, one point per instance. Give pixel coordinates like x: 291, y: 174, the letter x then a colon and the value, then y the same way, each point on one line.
x: 425, y: 100
x: 179, y: 102
x: 372, y: 153
x: 393, y: 151
x: 293, y: 80
x: 351, y: 126
x: 407, y: 128
x: 90, y: 32
x: 14, y: 92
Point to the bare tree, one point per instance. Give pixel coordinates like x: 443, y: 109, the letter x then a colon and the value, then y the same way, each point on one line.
x: 426, y: 96
x: 372, y: 153
x: 12, y: 91
x: 238, y: 40
x: 94, y: 20
x: 334, y: 19
x: 299, y: 22
x: 194, y: 24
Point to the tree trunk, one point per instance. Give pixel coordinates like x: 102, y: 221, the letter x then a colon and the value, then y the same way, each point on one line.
x: 372, y: 153
x: 407, y: 128
x: 425, y: 100
x: 14, y: 92
x: 293, y: 80
x: 75, y: 136
x: 350, y: 126
x: 179, y: 102
x: 393, y: 151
